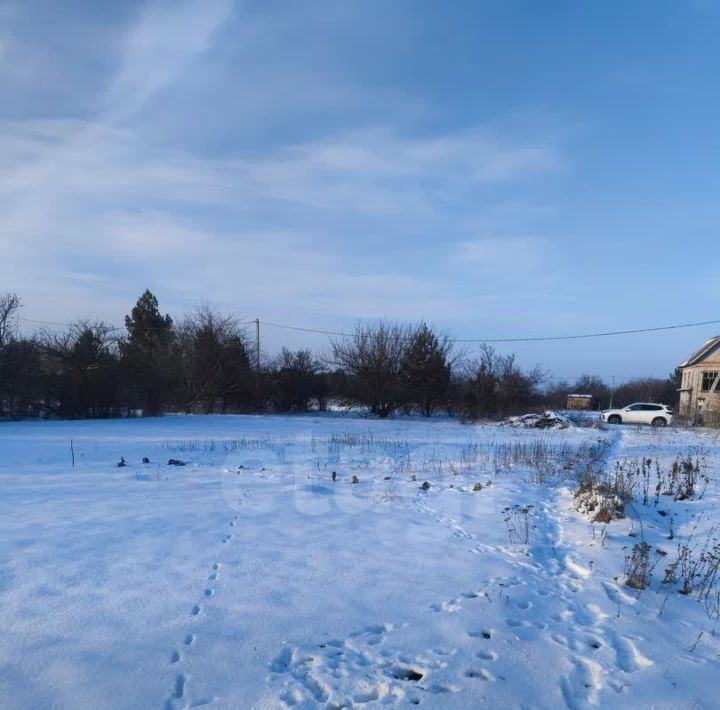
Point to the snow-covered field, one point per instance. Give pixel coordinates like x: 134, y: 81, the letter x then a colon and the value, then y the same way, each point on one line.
x: 250, y: 579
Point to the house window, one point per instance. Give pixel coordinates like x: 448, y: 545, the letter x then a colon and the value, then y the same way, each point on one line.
x: 708, y: 381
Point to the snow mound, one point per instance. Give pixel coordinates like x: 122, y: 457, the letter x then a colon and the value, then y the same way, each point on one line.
x: 547, y: 420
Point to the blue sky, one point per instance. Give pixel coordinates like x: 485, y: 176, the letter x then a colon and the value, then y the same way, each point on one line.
x: 499, y: 169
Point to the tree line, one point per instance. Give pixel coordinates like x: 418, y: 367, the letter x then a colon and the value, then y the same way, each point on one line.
x: 204, y: 363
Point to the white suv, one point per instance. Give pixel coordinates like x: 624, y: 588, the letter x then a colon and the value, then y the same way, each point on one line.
x: 639, y: 413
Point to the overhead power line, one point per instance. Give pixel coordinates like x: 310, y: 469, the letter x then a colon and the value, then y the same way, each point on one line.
x: 308, y: 330
x: 70, y: 324
x: 531, y: 339
x: 526, y: 339
x: 43, y: 322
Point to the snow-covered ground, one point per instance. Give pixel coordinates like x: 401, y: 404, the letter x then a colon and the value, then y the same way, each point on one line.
x: 250, y: 579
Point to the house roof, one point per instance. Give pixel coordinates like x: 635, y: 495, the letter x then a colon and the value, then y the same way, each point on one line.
x: 704, y: 351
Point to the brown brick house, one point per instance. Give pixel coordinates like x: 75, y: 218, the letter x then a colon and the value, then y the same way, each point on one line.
x: 700, y: 385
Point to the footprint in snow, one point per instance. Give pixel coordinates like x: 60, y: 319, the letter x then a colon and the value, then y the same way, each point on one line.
x: 487, y: 655
x: 581, y: 687
x: 617, y: 595
x: 576, y: 569
x: 180, y: 683
x: 628, y: 657
x: 308, y: 676
x: 480, y: 674
x: 484, y: 634
x: 374, y: 630
x: 451, y: 606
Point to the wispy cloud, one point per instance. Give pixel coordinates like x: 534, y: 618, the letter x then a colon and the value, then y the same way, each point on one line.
x: 511, y: 257
x: 163, y: 42
x: 381, y: 171
x: 89, y: 187
x: 98, y: 207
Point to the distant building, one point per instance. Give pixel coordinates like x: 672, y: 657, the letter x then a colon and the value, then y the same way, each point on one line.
x: 700, y: 385
x: 579, y: 401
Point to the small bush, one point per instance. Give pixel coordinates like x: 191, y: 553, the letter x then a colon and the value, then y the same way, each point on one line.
x: 603, y: 499
x: 517, y: 520
x: 639, y: 566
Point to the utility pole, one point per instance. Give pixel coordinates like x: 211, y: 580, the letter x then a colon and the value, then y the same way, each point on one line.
x: 257, y: 344
x: 612, y: 392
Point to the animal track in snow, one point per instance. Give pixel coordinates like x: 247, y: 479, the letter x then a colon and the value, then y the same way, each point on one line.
x: 482, y: 674
x: 374, y: 630
x: 179, y: 689
x: 540, y: 605
x: 347, y: 672
x: 451, y: 606
x: 457, y: 529
x: 583, y: 684
x: 628, y: 657
x: 484, y: 633
x: 616, y: 595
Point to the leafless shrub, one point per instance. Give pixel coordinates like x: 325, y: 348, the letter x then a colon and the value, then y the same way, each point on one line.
x: 605, y: 496
x: 276, y: 444
x: 639, y: 566
x: 548, y: 459
x: 374, y: 357
x: 687, y: 478
x: 495, y: 385
x: 602, y: 536
x: 9, y: 307
x: 696, y: 567
x: 517, y: 520
x: 214, y: 365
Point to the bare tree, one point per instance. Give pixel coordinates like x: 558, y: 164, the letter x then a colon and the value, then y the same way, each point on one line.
x: 81, y: 367
x: 646, y: 389
x: 215, y: 367
x: 295, y: 380
x: 9, y: 306
x: 373, y: 356
x: 495, y: 385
